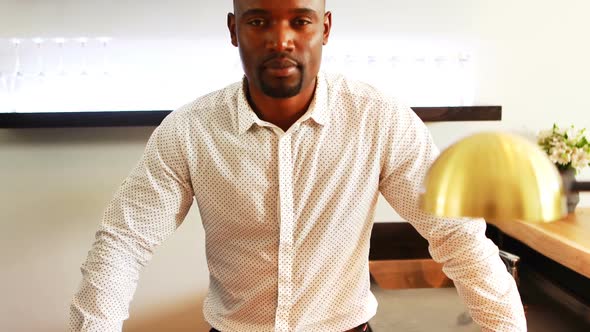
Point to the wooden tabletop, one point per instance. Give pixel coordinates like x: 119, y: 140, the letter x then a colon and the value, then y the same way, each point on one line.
x: 566, y: 241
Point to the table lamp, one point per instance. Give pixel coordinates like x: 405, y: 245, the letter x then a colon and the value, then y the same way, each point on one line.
x: 498, y: 177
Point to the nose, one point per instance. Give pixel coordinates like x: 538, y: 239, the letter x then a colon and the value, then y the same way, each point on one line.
x: 280, y: 38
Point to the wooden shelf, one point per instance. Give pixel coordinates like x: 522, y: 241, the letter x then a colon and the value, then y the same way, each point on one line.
x: 153, y: 118
x: 459, y: 113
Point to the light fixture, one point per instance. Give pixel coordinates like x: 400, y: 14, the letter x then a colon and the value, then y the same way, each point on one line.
x: 499, y: 177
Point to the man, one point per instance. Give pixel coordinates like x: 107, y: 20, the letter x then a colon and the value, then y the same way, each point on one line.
x: 286, y: 168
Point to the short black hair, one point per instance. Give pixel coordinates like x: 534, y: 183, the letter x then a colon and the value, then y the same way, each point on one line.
x: 234, y: 2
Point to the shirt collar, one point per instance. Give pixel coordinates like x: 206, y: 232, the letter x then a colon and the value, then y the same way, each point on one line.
x: 246, y: 116
x: 318, y: 109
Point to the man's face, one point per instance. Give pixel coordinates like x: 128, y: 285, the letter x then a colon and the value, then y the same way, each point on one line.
x: 280, y: 43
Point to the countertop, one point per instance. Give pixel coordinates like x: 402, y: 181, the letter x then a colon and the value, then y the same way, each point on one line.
x: 566, y: 241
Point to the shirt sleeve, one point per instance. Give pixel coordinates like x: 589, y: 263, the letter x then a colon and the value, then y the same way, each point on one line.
x: 469, y: 258
x: 148, y: 207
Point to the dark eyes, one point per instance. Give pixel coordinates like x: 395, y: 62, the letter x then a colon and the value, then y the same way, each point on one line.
x: 256, y: 22
x: 301, y: 21
x: 259, y: 22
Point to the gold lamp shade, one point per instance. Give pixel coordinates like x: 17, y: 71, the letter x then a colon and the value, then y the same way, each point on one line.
x: 496, y: 176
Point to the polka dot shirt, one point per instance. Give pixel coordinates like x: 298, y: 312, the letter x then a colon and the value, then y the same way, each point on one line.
x: 287, y: 215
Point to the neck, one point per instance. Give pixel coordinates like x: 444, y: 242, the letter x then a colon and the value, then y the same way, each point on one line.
x: 282, y: 112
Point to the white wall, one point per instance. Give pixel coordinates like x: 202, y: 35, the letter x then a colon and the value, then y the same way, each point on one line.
x: 54, y: 183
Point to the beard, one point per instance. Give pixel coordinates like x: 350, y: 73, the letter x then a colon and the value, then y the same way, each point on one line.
x: 281, y: 88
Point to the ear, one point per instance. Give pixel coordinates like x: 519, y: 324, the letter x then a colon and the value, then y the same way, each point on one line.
x: 231, y: 25
x: 327, y: 26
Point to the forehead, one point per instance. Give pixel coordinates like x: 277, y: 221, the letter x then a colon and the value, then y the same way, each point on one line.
x: 240, y: 6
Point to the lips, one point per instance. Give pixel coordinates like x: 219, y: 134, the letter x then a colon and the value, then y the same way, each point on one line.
x: 280, y: 63
x: 280, y: 67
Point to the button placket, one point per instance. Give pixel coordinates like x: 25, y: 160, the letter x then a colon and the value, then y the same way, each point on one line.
x: 286, y: 254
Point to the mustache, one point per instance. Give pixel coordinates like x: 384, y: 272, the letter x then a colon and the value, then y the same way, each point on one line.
x: 279, y: 59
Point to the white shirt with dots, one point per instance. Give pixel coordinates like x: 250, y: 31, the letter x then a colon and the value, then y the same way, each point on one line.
x: 287, y: 215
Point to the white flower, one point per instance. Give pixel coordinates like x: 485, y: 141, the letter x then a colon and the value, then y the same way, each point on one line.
x: 560, y: 154
x: 571, y: 152
x: 564, y: 148
x: 580, y: 158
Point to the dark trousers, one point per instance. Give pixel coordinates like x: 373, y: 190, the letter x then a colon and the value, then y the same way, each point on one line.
x: 361, y: 328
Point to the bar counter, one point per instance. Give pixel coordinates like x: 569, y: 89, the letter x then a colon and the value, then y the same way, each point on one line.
x: 566, y: 241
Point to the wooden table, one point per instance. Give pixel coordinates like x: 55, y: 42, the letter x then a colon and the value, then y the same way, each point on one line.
x: 566, y: 241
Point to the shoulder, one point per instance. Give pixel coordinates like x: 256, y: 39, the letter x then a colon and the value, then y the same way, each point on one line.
x: 214, y: 104
x: 202, y: 115
x: 357, y: 96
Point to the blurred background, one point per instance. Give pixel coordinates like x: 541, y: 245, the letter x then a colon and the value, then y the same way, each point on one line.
x: 530, y: 57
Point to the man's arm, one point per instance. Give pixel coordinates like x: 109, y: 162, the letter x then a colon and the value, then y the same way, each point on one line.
x: 470, y: 259
x: 148, y: 207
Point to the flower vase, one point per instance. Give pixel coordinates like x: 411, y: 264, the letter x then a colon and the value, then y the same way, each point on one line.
x: 573, y: 197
